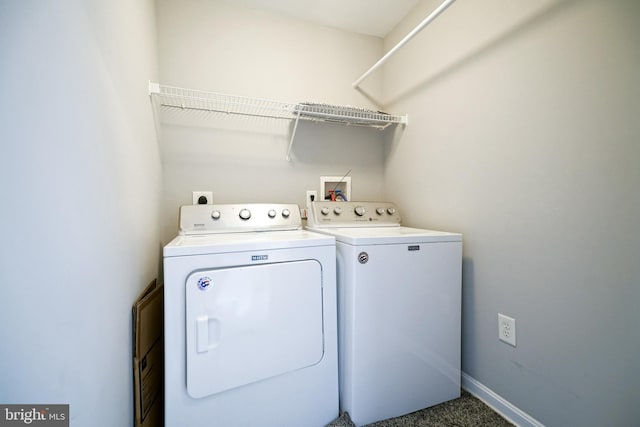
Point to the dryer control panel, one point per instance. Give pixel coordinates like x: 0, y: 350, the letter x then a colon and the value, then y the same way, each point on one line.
x: 211, y: 219
x: 353, y: 214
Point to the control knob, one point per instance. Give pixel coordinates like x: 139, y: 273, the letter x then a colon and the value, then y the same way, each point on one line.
x: 286, y: 213
x: 245, y: 214
x: 360, y: 210
x: 215, y: 214
x: 324, y: 211
x: 380, y: 211
x: 391, y: 211
x: 271, y: 213
x: 337, y: 211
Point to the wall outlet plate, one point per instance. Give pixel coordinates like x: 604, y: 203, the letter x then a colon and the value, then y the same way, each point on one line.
x: 507, y: 329
x: 310, y: 194
x: 195, y: 197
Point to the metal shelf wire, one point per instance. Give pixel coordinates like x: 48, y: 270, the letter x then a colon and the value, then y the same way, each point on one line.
x: 347, y: 115
x: 190, y: 99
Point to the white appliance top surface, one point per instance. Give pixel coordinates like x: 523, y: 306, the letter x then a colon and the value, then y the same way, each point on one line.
x: 241, y: 242
x: 387, y: 235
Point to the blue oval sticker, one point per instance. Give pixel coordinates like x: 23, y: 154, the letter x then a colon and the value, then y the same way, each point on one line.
x: 204, y: 283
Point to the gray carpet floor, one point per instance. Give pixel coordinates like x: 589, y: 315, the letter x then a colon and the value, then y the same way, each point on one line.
x: 466, y: 411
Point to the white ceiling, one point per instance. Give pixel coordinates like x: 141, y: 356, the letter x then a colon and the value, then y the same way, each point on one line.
x: 376, y: 18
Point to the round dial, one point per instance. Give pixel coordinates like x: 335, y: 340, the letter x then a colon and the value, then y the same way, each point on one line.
x: 360, y: 210
x: 324, y: 211
x: 271, y: 213
x: 286, y: 213
x: 380, y: 211
x: 391, y: 211
x: 245, y: 214
x: 215, y: 214
x: 337, y: 211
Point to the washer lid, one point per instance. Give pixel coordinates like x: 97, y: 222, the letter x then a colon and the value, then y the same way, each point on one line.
x: 388, y: 235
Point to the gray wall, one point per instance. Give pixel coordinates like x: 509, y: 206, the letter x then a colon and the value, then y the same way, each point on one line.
x: 80, y: 173
x: 218, y: 46
x: 524, y: 135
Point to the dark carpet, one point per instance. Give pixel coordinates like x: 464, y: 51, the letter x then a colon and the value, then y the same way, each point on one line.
x: 466, y: 411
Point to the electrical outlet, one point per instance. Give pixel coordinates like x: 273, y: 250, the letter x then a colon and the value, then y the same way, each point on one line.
x: 507, y: 329
x: 196, y: 195
x: 312, y: 196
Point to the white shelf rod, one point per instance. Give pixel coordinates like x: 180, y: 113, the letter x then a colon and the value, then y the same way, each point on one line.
x: 404, y: 41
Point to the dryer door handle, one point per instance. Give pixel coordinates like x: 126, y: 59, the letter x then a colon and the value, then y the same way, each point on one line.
x: 202, y: 334
x: 207, y: 333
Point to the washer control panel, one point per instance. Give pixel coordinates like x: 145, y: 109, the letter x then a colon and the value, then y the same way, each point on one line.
x: 353, y: 214
x: 211, y: 219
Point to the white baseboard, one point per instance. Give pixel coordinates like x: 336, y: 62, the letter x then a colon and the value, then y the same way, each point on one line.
x: 499, y: 404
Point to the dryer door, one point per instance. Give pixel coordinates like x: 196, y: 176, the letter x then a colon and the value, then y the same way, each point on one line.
x: 250, y: 323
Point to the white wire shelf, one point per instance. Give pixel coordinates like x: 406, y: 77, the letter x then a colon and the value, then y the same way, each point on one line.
x: 189, y: 99
x: 347, y: 115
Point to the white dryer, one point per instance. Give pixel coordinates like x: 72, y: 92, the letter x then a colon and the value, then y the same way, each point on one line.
x: 399, y: 310
x: 249, y: 319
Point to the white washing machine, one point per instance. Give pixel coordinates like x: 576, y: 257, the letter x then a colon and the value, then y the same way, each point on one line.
x: 249, y: 319
x: 399, y: 310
